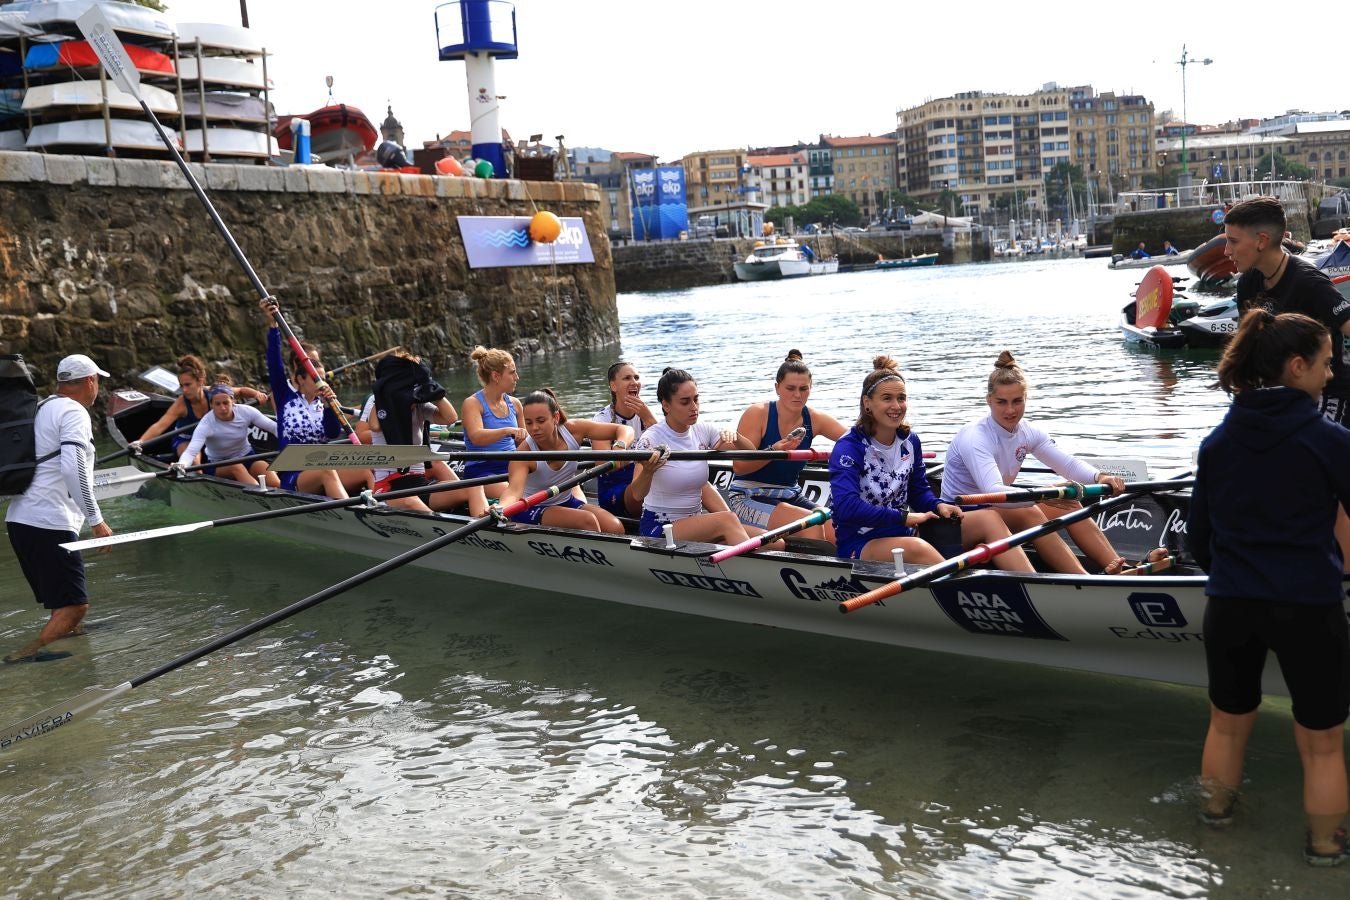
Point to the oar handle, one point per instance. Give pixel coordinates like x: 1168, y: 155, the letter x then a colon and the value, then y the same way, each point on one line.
x: 363, y: 361
x: 817, y: 517
x: 978, y: 554
x: 1070, y: 492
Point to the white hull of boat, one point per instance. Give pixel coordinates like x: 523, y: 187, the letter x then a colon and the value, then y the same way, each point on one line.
x: 224, y: 71
x: 233, y: 142
x: 784, y: 268
x: 54, y: 16
x: 11, y: 140
x: 1145, y: 627
x: 215, y: 36
x: 126, y: 135
x: 89, y: 94
x: 1175, y: 259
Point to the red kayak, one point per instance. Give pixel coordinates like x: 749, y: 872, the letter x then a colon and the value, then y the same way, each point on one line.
x: 335, y: 132
x: 1208, y: 261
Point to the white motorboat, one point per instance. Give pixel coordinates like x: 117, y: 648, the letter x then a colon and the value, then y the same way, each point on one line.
x: 782, y: 258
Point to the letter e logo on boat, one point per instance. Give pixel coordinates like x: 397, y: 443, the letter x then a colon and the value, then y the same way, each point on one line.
x: 1157, y: 610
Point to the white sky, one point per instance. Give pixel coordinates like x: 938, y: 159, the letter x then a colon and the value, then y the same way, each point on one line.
x: 674, y: 77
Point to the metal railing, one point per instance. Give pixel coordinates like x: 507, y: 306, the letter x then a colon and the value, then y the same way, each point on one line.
x: 1217, y: 193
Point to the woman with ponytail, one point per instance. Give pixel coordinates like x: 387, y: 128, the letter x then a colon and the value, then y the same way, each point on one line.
x: 985, y: 457
x: 766, y: 493
x: 1270, y: 481
x: 878, y: 485
x: 191, y: 405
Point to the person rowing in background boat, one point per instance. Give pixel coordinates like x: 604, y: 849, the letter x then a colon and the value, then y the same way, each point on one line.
x: 672, y: 491
x: 626, y: 407
x: 548, y: 428
x: 1275, y: 577
x: 493, y: 419
x: 878, y: 484
x: 405, y: 401
x: 986, y: 455
x: 242, y: 393
x: 189, y: 407
x: 766, y: 493
x: 302, y: 417
x: 224, y: 435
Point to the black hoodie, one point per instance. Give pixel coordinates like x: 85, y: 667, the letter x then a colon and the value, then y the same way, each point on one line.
x: 1263, y: 510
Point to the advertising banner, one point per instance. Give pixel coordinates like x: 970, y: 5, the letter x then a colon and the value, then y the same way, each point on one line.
x: 494, y: 241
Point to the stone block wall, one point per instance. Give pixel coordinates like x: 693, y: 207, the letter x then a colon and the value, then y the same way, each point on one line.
x: 118, y: 259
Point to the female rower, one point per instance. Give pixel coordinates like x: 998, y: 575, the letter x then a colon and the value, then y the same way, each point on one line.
x: 1275, y: 580
x: 672, y: 491
x: 303, y: 417
x: 187, y: 408
x: 766, y: 493
x: 406, y: 399
x: 985, y: 456
x: 493, y: 419
x: 549, y: 429
x: 878, y: 485
x: 224, y: 435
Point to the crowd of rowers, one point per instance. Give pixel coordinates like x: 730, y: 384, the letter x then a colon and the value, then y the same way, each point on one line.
x: 881, y: 495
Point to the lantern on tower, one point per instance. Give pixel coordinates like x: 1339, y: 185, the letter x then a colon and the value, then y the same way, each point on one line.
x: 479, y: 31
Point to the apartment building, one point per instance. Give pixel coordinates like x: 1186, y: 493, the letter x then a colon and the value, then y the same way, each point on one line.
x: 996, y: 150
x: 863, y: 169
x: 715, y: 178
x: 778, y: 179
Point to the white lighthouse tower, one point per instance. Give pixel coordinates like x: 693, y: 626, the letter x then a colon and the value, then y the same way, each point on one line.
x: 479, y: 31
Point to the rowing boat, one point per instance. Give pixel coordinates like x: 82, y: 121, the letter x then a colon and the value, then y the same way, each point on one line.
x: 1136, y: 626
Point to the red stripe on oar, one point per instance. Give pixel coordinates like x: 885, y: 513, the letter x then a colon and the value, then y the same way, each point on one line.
x: 978, y: 554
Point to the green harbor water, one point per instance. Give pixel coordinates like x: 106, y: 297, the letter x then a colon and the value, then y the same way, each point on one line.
x: 428, y: 735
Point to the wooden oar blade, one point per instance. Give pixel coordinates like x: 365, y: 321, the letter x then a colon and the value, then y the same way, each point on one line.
x: 299, y: 457
x: 132, y: 536
x: 56, y: 717
x: 119, y: 482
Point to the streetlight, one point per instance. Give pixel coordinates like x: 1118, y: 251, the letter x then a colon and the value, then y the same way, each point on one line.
x: 1184, y: 62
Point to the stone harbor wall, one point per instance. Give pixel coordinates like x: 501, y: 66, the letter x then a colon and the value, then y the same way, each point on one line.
x: 1187, y: 227
x: 118, y: 259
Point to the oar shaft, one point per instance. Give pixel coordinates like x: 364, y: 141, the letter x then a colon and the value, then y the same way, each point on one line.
x: 630, y: 455
x: 146, y: 443
x: 818, y: 517
x: 1069, y: 492
x: 363, y: 361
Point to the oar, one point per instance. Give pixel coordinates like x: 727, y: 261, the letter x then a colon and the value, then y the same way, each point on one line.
x: 101, y: 37
x: 818, y: 517
x: 125, y: 480
x: 1071, y: 492
x: 168, y: 530
x: 55, y: 717
x: 154, y: 440
x: 299, y: 457
x: 363, y: 361
x: 633, y: 455
x: 1151, y: 567
x: 982, y: 553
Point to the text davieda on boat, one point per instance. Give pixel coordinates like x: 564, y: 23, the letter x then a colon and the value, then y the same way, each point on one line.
x: 1140, y: 626
x: 782, y: 257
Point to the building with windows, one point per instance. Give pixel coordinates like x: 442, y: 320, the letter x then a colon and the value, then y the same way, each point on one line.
x: 780, y: 179
x: 862, y: 169
x: 714, y: 178
x: 997, y: 151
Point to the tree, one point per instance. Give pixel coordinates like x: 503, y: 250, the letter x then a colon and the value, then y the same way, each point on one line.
x: 1284, y: 168
x: 1059, y: 182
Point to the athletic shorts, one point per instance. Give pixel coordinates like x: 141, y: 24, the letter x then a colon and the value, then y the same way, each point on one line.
x: 1337, y: 409
x: 611, y: 498
x: 532, y: 515
x: 478, y: 468
x: 289, y: 481
x: 1310, y: 641
x: 652, y: 524
x: 853, y: 547
x: 55, y: 575
x: 401, y: 482
x: 756, y: 510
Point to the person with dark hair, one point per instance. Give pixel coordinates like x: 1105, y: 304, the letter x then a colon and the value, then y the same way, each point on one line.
x: 625, y: 407
x: 672, y: 491
x: 57, y: 504
x: 549, y: 428
x: 404, y: 402
x: 1275, y: 579
x: 224, y: 435
x: 766, y: 493
x: 986, y: 455
x: 879, y: 488
x: 303, y: 416
x: 1140, y: 252
x: 188, y: 407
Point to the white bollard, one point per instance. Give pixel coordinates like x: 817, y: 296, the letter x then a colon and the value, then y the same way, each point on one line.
x: 669, y: 531
x: 898, y: 554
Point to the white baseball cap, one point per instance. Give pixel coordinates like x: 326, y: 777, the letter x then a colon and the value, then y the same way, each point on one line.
x: 77, y: 366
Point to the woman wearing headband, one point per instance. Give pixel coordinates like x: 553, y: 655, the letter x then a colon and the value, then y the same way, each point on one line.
x: 223, y: 434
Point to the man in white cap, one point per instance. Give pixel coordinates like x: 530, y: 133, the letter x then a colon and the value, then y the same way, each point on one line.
x: 58, y: 504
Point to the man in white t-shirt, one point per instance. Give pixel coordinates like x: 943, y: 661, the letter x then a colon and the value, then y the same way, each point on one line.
x: 58, y: 504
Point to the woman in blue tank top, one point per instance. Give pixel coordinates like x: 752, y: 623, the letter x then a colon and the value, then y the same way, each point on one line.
x: 493, y: 419
x: 766, y: 494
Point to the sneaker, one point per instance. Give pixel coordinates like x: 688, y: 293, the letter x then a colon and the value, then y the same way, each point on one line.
x: 1328, y: 859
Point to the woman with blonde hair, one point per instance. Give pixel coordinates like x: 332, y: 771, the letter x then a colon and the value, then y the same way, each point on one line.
x: 493, y: 419
x: 985, y: 456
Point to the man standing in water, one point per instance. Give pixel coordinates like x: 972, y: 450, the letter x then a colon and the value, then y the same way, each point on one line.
x: 1279, y: 282
x: 58, y: 503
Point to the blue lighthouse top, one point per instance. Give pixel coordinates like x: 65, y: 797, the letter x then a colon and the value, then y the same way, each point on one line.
x: 476, y: 26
